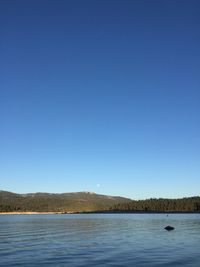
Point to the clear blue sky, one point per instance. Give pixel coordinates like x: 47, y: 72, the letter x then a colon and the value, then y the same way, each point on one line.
x: 100, y: 96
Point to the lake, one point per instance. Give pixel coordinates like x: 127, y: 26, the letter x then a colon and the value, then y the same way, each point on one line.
x: 100, y: 240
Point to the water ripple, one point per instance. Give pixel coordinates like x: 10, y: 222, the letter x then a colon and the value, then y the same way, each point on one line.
x: 99, y: 240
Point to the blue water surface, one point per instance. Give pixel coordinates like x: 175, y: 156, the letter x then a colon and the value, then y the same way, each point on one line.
x: 100, y: 240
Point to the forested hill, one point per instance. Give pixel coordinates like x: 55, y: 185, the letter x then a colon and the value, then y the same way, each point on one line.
x: 191, y: 204
x: 90, y: 202
x: 66, y: 202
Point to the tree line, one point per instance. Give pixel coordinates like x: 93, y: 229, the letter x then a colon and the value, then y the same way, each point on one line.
x: 191, y: 204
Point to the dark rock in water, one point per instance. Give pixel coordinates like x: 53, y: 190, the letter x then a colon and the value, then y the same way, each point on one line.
x: 169, y: 228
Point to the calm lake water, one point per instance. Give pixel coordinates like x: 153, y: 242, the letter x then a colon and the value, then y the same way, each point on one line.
x: 100, y: 240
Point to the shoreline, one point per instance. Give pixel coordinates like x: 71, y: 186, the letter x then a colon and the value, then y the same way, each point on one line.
x: 92, y: 212
x: 28, y: 213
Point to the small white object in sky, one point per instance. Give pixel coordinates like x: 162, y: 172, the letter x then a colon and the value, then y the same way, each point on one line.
x: 98, y: 185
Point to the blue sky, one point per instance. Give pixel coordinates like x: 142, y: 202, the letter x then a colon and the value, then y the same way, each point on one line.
x: 100, y: 96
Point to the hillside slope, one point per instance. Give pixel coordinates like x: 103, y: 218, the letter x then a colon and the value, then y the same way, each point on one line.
x: 66, y: 202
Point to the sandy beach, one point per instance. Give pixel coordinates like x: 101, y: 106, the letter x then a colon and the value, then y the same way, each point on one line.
x: 27, y: 213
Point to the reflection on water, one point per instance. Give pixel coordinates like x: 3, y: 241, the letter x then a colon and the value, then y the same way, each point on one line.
x: 99, y: 240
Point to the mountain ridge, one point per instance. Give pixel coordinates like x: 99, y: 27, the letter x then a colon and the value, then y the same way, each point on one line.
x: 57, y: 202
x: 92, y: 202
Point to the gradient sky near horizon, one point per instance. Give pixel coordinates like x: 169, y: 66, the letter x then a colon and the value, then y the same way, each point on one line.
x: 100, y: 96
